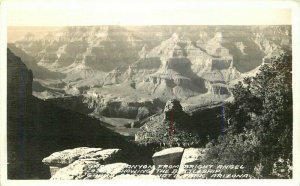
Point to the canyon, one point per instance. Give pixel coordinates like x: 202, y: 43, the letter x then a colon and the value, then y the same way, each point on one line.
x: 113, y: 87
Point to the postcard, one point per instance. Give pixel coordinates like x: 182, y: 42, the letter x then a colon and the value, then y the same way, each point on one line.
x: 175, y: 91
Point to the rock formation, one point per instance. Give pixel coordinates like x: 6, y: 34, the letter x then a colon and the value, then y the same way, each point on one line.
x: 173, y: 109
x: 37, y: 128
x: 169, y: 163
x: 169, y: 128
x: 19, y: 89
x: 170, y: 157
x: 197, y: 65
x: 171, y: 81
x: 191, y: 156
x: 66, y: 157
x: 87, y: 170
x: 81, y: 161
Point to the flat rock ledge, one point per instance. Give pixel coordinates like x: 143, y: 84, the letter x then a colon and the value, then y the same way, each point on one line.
x: 83, y: 156
x: 167, y: 162
x: 88, y: 170
x: 85, y: 163
x: 191, y: 156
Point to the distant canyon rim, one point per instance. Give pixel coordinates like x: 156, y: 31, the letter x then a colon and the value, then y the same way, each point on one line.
x: 122, y: 75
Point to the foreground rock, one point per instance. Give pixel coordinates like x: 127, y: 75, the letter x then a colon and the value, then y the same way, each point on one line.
x: 87, y: 169
x: 191, y: 156
x: 86, y: 155
x: 85, y: 163
x: 66, y: 157
x: 167, y: 162
x: 171, y: 156
x: 110, y: 171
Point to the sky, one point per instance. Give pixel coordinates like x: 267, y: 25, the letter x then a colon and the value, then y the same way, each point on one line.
x: 146, y: 12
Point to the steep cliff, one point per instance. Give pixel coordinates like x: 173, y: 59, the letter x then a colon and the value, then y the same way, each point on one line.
x: 37, y: 128
x: 174, y: 127
x: 107, y: 65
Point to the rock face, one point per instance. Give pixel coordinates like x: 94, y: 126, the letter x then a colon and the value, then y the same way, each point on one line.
x: 111, y: 170
x: 77, y: 170
x: 175, y: 127
x: 37, y: 128
x: 38, y: 71
x: 194, y: 64
x: 19, y: 90
x: 174, y: 77
x: 176, y: 163
x: 170, y: 163
x: 170, y: 156
x: 64, y: 158
x: 173, y: 109
x: 191, y: 156
x: 103, y: 156
x: 85, y: 169
x: 19, y: 78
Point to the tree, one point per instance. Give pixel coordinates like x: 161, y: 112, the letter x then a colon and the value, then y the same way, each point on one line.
x: 259, y: 120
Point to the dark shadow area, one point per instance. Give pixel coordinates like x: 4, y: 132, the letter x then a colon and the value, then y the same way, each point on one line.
x: 36, y: 129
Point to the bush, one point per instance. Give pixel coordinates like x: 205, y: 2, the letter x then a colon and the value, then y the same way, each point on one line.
x: 259, y: 122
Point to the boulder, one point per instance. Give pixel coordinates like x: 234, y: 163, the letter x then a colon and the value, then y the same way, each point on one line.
x: 167, y: 162
x: 53, y: 170
x: 66, y: 157
x: 78, y: 170
x: 173, y: 105
x: 173, y: 111
x: 61, y: 159
x: 170, y: 156
x: 103, y: 156
x: 111, y: 170
x: 191, y: 156
x: 88, y: 169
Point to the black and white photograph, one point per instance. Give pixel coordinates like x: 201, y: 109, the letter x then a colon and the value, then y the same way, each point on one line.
x: 165, y: 100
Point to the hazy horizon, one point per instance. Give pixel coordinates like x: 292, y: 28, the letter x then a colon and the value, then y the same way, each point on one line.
x: 15, y: 33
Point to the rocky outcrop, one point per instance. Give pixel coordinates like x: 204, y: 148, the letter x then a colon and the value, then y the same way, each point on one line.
x: 19, y: 78
x: 19, y: 97
x: 87, y: 170
x: 170, y: 128
x: 92, y: 44
x: 191, y: 156
x: 166, y: 162
x: 126, y: 107
x: 64, y: 158
x: 31, y: 63
x: 169, y: 163
x: 207, y: 48
x: 174, y: 77
x: 77, y: 170
x: 179, y: 163
x: 172, y: 110
x: 194, y: 64
x: 170, y: 156
x: 37, y: 128
x: 111, y: 170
